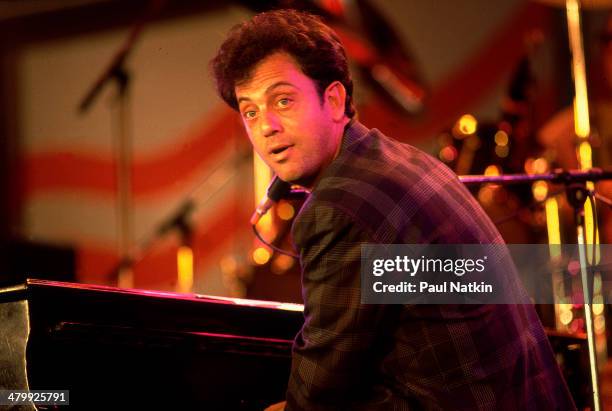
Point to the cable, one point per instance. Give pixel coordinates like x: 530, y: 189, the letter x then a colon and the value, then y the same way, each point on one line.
x: 275, y: 248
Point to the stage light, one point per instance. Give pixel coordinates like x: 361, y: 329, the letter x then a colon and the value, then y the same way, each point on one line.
x: 184, y: 260
x: 281, y: 264
x: 501, y: 138
x: 502, y: 151
x: 540, y: 165
x: 492, y: 170
x: 566, y: 317
x: 539, y: 190
x: 589, y: 225
x: 552, y: 221
x: 598, y: 307
x: 261, y: 256
x: 585, y: 155
x: 448, y: 154
x: 285, y: 211
x: 528, y: 166
x: 467, y: 124
x: 485, y: 195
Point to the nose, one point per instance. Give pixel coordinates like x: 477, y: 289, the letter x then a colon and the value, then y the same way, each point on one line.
x: 270, y: 123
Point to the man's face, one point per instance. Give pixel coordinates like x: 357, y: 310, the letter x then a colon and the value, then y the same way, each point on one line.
x: 288, y: 125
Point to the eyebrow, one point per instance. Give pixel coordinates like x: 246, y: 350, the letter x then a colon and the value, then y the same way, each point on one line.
x: 273, y: 86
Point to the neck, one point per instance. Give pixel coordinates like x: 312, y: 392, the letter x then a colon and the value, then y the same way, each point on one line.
x: 340, y: 135
x: 337, y: 137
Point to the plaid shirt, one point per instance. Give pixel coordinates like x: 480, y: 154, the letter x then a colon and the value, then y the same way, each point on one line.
x: 350, y: 356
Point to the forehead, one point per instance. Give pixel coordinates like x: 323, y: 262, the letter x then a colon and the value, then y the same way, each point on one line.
x: 278, y: 69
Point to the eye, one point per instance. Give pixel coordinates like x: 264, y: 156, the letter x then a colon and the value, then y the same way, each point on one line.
x: 284, y: 102
x: 249, y: 114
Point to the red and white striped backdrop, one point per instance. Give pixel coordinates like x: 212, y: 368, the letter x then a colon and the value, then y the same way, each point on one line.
x: 181, y: 130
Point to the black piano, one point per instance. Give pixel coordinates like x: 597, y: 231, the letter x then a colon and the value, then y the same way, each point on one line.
x: 121, y: 349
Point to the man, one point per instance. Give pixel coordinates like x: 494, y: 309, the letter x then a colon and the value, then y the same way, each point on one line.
x: 286, y: 73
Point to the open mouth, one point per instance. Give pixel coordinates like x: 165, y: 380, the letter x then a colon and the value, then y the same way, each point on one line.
x: 279, y: 149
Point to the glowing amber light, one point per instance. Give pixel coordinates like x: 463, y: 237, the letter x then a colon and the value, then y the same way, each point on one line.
x: 529, y: 166
x: 184, y: 260
x: 282, y: 263
x: 467, y: 124
x: 265, y: 223
x: 285, y: 211
x: 492, y: 170
x: 585, y: 155
x: 261, y: 256
x: 589, y: 223
x: 581, y: 101
x: 485, y: 195
x: 589, y: 219
x: 582, y: 125
x: 539, y: 190
x: 448, y: 154
x: 552, y: 221
x: 501, y: 138
x: 566, y: 317
x: 598, y: 306
x: 502, y: 151
x: 540, y: 165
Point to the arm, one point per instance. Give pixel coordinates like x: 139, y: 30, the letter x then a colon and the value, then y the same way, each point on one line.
x: 333, y: 355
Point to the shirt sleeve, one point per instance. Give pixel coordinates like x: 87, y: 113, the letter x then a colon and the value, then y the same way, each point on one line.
x: 335, y: 352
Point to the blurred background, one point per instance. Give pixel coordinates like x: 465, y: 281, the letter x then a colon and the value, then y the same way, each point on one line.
x: 120, y: 166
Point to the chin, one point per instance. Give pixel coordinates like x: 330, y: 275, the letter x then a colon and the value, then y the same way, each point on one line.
x: 294, y: 176
x: 286, y: 173
x: 288, y: 176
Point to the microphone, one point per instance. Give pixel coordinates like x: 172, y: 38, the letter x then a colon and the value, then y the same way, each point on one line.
x: 276, y: 190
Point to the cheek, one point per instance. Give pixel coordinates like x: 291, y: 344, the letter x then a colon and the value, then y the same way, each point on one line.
x: 317, y: 116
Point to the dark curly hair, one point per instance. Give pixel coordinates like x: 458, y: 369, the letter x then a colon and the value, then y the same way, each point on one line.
x: 314, y: 46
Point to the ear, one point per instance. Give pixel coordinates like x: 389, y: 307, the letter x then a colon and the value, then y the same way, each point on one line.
x: 335, y: 96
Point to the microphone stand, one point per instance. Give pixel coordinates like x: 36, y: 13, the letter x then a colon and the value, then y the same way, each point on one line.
x: 577, y: 193
x: 180, y: 218
x: 557, y: 176
x: 117, y: 73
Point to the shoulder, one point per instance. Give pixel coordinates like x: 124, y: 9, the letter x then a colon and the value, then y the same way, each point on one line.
x: 376, y: 166
x: 395, y: 193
